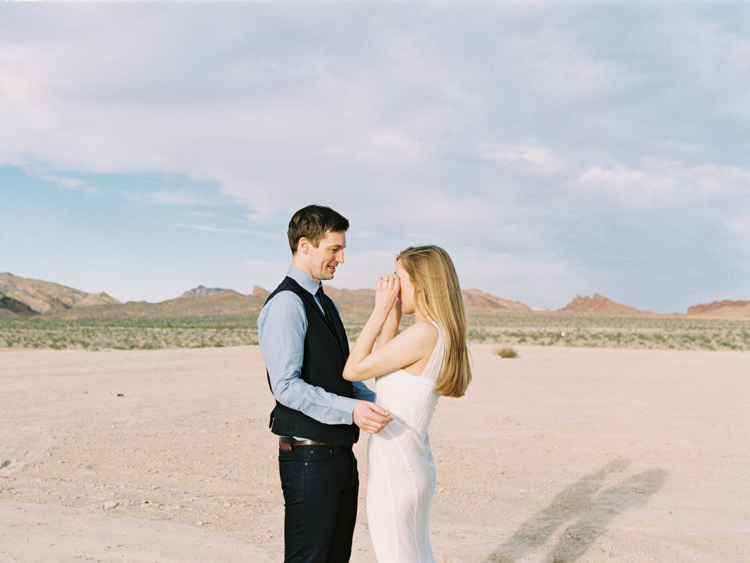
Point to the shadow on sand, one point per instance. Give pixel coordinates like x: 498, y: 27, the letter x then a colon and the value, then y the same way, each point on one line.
x: 584, y: 510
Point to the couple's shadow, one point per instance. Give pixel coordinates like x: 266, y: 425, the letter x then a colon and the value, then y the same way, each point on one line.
x: 584, y: 510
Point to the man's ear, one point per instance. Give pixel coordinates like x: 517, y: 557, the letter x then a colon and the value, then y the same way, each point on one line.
x: 303, y: 245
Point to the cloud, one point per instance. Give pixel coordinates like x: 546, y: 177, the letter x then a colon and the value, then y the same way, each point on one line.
x: 669, y: 184
x: 555, y: 139
x: 169, y: 197
x: 563, y: 67
x: 740, y: 226
x: 382, y: 147
x: 523, y: 278
x: 634, y: 187
x: 532, y: 157
x: 210, y: 229
x: 71, y: 184
x: 263, y: 273
x: 206, y: 102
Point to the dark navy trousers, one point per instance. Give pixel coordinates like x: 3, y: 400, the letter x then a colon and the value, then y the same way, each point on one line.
x: 320, y: 485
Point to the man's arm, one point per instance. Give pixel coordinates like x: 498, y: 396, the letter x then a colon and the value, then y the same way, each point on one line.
x: 282, y: 326
x: 362, y: 392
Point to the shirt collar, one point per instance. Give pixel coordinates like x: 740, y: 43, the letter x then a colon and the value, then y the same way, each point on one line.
x: 307, y: 283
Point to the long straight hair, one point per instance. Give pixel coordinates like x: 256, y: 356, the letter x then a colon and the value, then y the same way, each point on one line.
x: 437, y: 291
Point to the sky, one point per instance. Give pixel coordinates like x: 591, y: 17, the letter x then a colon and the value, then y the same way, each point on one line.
x: 554, y: 149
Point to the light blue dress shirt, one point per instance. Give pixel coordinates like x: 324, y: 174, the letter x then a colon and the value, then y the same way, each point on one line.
x: 282, y: 326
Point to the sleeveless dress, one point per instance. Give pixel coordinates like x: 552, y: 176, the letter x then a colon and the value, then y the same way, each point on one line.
x: 400, y: 468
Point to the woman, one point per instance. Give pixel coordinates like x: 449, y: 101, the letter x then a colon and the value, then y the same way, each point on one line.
x: 413, y: 368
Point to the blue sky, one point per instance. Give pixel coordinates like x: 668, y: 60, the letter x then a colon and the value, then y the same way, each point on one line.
x: 553, y: 148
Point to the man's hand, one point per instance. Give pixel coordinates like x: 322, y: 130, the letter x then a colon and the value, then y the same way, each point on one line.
x: 370, y: 417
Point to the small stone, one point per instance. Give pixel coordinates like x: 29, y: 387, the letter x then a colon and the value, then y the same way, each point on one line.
x: 110, y: 504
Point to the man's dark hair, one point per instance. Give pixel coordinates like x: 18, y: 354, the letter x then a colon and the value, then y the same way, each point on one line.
x: 313, y: 222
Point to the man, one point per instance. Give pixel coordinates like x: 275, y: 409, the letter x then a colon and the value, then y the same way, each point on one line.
x: 318, y: 413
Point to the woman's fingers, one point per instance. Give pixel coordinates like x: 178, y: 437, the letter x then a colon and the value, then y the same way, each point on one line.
x: 390, y: 280
x: 387, y: 290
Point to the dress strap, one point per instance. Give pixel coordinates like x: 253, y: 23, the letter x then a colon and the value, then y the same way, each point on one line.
x: 437, y: 358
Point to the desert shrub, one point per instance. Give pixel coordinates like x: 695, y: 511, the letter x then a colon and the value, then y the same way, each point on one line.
x: 505, y: 352
x: 503, y: 329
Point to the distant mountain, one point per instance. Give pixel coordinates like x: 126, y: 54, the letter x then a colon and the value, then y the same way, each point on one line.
x: 202, y: 291
x: 722, y: 309
x: 10, y: 308
x: 260, y: 292
x: 224, y: 303
x: 362, y: 300
x: 476, y: 299
x: 599, y: 305
x: 20, y: 297
x: 354, y: 304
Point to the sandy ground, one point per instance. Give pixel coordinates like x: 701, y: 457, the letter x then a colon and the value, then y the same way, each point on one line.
x: 559, y: 455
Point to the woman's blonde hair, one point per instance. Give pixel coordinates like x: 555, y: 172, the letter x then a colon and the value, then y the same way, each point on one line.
x: 438, y: 293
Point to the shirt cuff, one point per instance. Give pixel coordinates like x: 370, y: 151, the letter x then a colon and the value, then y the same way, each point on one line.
x: 344, y: 407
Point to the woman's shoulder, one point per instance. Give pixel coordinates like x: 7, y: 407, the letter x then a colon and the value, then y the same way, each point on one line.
x: 424, y: 331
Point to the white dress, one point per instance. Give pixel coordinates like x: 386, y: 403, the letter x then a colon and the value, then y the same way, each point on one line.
x: 400, y: 468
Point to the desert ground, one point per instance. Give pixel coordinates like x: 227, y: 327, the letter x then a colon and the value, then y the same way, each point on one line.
x: 558, y: 455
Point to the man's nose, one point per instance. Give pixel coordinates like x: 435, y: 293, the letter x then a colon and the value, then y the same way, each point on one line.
x: 340, y: 257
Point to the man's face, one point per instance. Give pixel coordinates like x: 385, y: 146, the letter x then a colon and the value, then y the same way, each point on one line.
x: 322, y: 261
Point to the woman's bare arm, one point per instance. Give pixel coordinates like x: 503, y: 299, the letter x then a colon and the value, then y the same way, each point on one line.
x: 390, y: 328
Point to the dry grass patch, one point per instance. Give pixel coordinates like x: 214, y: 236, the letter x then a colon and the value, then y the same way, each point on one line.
x: 505, y: 352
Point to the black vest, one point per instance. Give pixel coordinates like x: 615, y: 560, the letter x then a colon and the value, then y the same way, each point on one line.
x: 325, y: 354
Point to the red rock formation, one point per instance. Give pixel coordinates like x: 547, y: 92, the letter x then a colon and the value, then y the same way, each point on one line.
x: 477, y: 299
x: 722, y: 309
x: 598, y: 305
